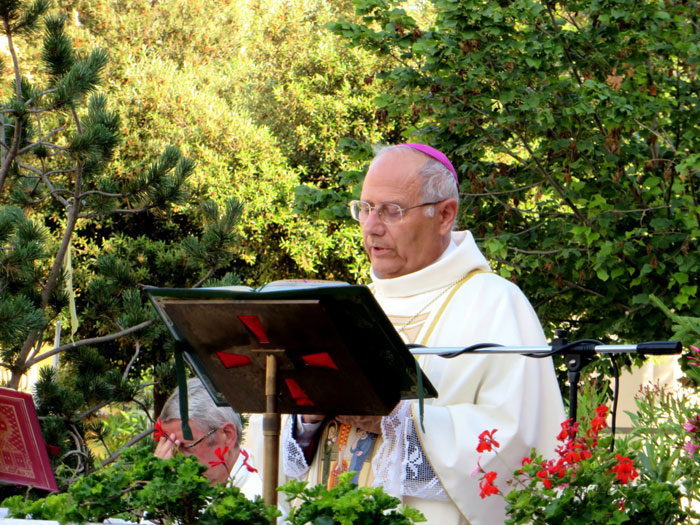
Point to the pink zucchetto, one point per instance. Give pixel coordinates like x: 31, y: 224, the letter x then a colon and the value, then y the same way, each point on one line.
x: 436, y: 154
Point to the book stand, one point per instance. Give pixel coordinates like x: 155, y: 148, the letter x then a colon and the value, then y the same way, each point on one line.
x: 310, y: 350
x: 327, y: 350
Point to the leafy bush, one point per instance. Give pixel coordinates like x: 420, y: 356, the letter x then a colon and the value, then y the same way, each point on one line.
x: 649, y: 476
x: 141, y: 486
x: 346, y: 504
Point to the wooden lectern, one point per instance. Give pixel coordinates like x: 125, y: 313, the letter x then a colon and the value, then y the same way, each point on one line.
x: 309, y: 348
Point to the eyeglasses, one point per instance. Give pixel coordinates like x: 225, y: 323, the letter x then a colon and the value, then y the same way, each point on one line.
x: 387, y: 213
x: 197, y: 442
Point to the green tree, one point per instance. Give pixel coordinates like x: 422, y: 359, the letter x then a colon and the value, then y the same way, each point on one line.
x: 178, y: 73
x: 60, y: 264
x: 574, y: 128
x: 264, y: 97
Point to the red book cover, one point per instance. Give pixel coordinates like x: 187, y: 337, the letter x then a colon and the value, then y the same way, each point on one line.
x: 23, y: 456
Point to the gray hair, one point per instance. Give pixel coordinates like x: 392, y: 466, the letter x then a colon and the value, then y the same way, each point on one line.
x: 202, y: 409
x: 438, y: 182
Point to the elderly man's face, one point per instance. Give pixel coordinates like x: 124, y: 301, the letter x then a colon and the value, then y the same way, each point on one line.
x: 418, y: 240
x: 204, y: 450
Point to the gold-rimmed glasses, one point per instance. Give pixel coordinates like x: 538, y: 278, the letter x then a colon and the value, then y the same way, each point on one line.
x: 387, y: 213
x: 198, y: 441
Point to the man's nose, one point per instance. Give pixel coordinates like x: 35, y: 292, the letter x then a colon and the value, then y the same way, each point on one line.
x: 373, y: 223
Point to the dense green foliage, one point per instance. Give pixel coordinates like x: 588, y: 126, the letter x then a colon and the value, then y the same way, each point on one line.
x: 94, y: 209
x: 59, y: 139
x: 140, y: 485
x: 261, y: 95
x: 346, y: 504
x: 574, y: 127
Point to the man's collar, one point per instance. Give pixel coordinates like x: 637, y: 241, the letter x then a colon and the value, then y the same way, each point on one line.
x: 450, y: 248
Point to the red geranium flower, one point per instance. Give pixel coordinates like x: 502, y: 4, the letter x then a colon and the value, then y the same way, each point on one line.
x: 525, y: 461
x: 486, y: 485
x: 221, y: 454
x: 486, y: 441
x: 624, y: 469
x: 542, y: 474
x: 568, y: 430
x: 158, y: 431
x: 598, y: 421
x: 245, y: 462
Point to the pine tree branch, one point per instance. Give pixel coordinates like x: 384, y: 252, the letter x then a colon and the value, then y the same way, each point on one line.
x: 94, y: 214
x: 59, y: 172
x: 138, y: 210
x: 73, y: 214
x: 103, y: 194
x: 89, y: 411
x: 12, y: 153
x: 31, y: 168
x: 203, y: 279
x: 40, y: 95
x: 140, y: 404
x: 42, y: 142
x: 45, y: 179
x: 39, y: 201
x: 92, y: 341
x: 22, y: 361
x: 126, y: 445
x: 131, y: 362
x: 37, y: 346
x: 13, y: 54
x: 51, y: 145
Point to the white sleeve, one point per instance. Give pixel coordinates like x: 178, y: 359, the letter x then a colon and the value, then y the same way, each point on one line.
x: 293, y: 461
x: 401, y: 466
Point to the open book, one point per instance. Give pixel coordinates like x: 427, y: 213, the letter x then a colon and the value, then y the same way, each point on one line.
x: 337, y: 352
x: 283, y: 284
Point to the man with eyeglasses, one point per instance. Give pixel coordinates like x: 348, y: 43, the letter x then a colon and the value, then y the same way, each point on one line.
x: 438, y: 290
x: 217, y: 434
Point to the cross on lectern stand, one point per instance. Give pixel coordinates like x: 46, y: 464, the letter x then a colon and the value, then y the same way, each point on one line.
x: 314, y: 349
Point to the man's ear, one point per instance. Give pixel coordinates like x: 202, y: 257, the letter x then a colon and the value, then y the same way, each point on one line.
x: 230, y: 434
x: 447, y: 214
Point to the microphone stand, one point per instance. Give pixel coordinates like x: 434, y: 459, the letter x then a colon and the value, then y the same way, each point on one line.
x: 576, y: 355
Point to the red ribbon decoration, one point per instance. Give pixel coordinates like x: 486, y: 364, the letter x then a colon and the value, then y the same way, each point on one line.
x: 245, y: 462
x: 321, y: 360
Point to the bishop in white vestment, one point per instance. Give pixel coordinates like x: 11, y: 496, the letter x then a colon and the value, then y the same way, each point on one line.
x: 439, y: 291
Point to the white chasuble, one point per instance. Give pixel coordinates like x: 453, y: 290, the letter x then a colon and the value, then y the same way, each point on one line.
x: 457, y: 301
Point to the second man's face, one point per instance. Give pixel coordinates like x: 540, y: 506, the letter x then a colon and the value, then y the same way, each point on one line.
x: 205, y: 450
